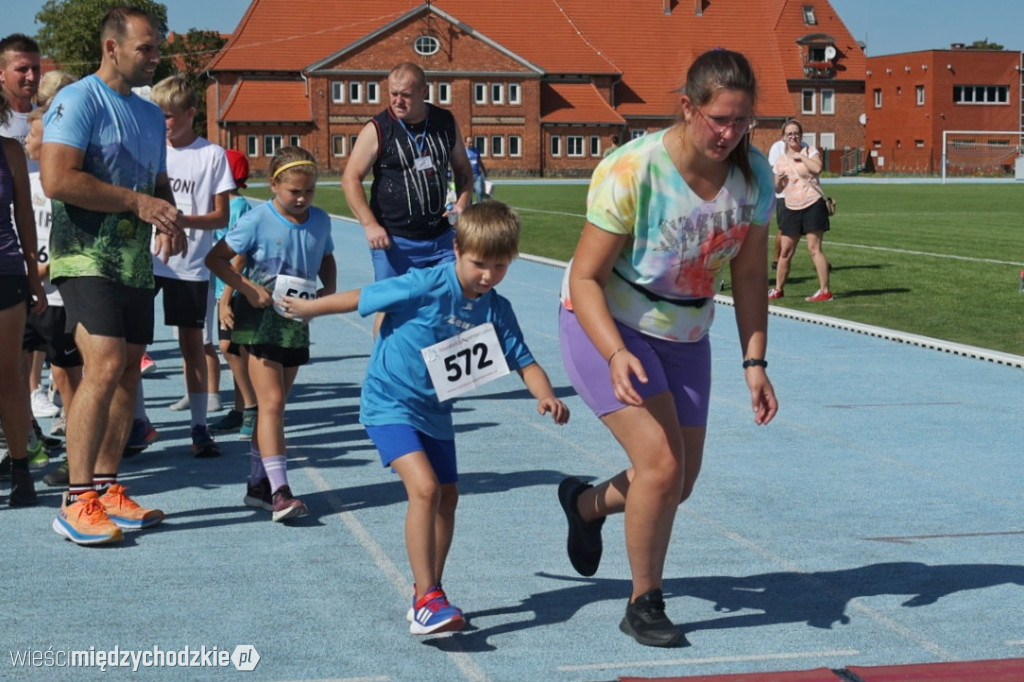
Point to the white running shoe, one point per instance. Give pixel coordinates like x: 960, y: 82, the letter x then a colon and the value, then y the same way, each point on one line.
x: 42, y: 406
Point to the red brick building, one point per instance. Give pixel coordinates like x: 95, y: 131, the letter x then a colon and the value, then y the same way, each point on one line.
x: 541, y: 85
x: 911, y: 98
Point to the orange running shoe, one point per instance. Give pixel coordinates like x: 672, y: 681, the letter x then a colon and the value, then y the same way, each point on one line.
x: 85, y: 522
x: 124, y: 511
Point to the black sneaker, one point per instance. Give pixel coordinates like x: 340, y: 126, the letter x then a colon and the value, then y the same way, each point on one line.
x: 50, y: 442
x: 58, y: 478
x: 202, y: 443
x: 230, y: 422
x: 646, y: 622
x: 258, y: 496
x: 5, y: 467
x: 584, y: 542
x: 23, y: 490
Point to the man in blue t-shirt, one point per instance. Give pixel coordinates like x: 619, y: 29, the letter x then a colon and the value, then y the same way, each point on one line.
x: 103, y: 164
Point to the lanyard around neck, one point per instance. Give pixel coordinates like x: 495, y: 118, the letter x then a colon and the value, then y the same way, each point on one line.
x: 418, y: 141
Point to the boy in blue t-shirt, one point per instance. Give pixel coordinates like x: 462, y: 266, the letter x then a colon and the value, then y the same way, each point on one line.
x: 444, y: 332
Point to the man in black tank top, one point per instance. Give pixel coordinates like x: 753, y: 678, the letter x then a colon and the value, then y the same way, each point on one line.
x: 409, y: 147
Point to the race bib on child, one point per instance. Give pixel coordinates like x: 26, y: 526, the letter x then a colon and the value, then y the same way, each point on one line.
x: 296, y: 287
x: 465, y: 361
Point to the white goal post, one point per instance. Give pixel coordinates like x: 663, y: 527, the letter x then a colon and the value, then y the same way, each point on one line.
x: 980, y: 152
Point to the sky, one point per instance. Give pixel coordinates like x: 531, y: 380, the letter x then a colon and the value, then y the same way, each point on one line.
x: 886, y: 26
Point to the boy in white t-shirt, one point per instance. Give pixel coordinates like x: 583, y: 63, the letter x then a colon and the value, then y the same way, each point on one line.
x: 201, y: 180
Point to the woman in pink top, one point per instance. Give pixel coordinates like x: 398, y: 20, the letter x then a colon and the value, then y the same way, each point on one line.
x: 796, y: 176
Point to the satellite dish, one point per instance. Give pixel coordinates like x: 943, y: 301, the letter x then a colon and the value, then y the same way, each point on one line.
x: 830, y: 52
x: 863, y: 118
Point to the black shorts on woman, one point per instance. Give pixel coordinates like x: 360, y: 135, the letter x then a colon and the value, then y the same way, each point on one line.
x: 798, y: 222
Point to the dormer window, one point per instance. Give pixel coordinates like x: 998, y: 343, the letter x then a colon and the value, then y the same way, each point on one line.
x: 809, y: 17
x: 427, y: 45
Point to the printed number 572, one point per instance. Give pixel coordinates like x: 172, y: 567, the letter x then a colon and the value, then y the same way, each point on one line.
x: 461, y: 363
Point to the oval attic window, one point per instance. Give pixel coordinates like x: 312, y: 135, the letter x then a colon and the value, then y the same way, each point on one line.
x: 427, y: 45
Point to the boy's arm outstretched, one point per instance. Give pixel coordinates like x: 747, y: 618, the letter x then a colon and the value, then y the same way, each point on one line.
x: 537, y: 382
x: 304, y: 309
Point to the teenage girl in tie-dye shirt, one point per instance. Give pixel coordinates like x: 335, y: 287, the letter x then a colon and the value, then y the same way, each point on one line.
x: 666, y: 213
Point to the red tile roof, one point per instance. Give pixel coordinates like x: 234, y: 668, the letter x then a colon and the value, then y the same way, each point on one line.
x: 639, y: 40
x: 251, y: 101
x: 575, y: 103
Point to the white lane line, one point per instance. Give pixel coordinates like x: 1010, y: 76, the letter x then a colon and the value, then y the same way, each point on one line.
x: 705, y: 661
x: 926, y: 254
x: 470, y: 670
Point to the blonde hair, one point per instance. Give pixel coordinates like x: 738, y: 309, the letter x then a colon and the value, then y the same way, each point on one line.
x: 50, y: 84
x: 291, y: 159
x: 174, y: 91
x: 489, y: 229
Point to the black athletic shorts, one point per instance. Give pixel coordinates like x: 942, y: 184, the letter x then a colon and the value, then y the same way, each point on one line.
x: 108, y: 308
x: 798, y: 222
x: 47, y: 332
x: 184, y: 302
x: 13, y: 291
x: 286, y: 357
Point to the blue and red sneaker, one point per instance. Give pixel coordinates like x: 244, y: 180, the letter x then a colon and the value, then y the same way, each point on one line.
x: 432, y: 614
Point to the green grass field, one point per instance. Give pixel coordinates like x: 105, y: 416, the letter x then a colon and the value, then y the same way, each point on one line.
x: 937, y: 260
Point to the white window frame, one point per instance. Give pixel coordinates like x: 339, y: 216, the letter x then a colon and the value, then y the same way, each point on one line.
x: 444, y: 93
x: 269, y: 146
x: 497, y: 145
x: 335, y: 140
x: 515, y: 93
x: 426, y: 45
x: 878, y: 98
x: 828, y: 97
x: 295, y: 140
x: 811, y: 139
x: 985, y: 95
x: 634, y: 133
x: 827, y: 140
x: 595, y: 145
x: 355, y: 92
x: 480, y: 142
x: 252, y: 145
x: 807, y: 96
x: 338, y: 92
x: 555, y: 148
x: 574, y: 146
x: 497, y: 93
x: 515, y: 145
x: 919, y: 93
x: 373, y: 92
x: 479, y: 93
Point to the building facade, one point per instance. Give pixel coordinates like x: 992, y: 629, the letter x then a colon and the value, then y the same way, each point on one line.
x: 541, y: 87
x: 912, y: 98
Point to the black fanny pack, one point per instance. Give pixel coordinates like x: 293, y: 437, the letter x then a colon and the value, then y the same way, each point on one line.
x: 651, y: 296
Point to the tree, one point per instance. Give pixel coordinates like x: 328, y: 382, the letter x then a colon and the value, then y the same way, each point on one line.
x: 70, y: 33
x: 190, y: 54
x: 985, y: 45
